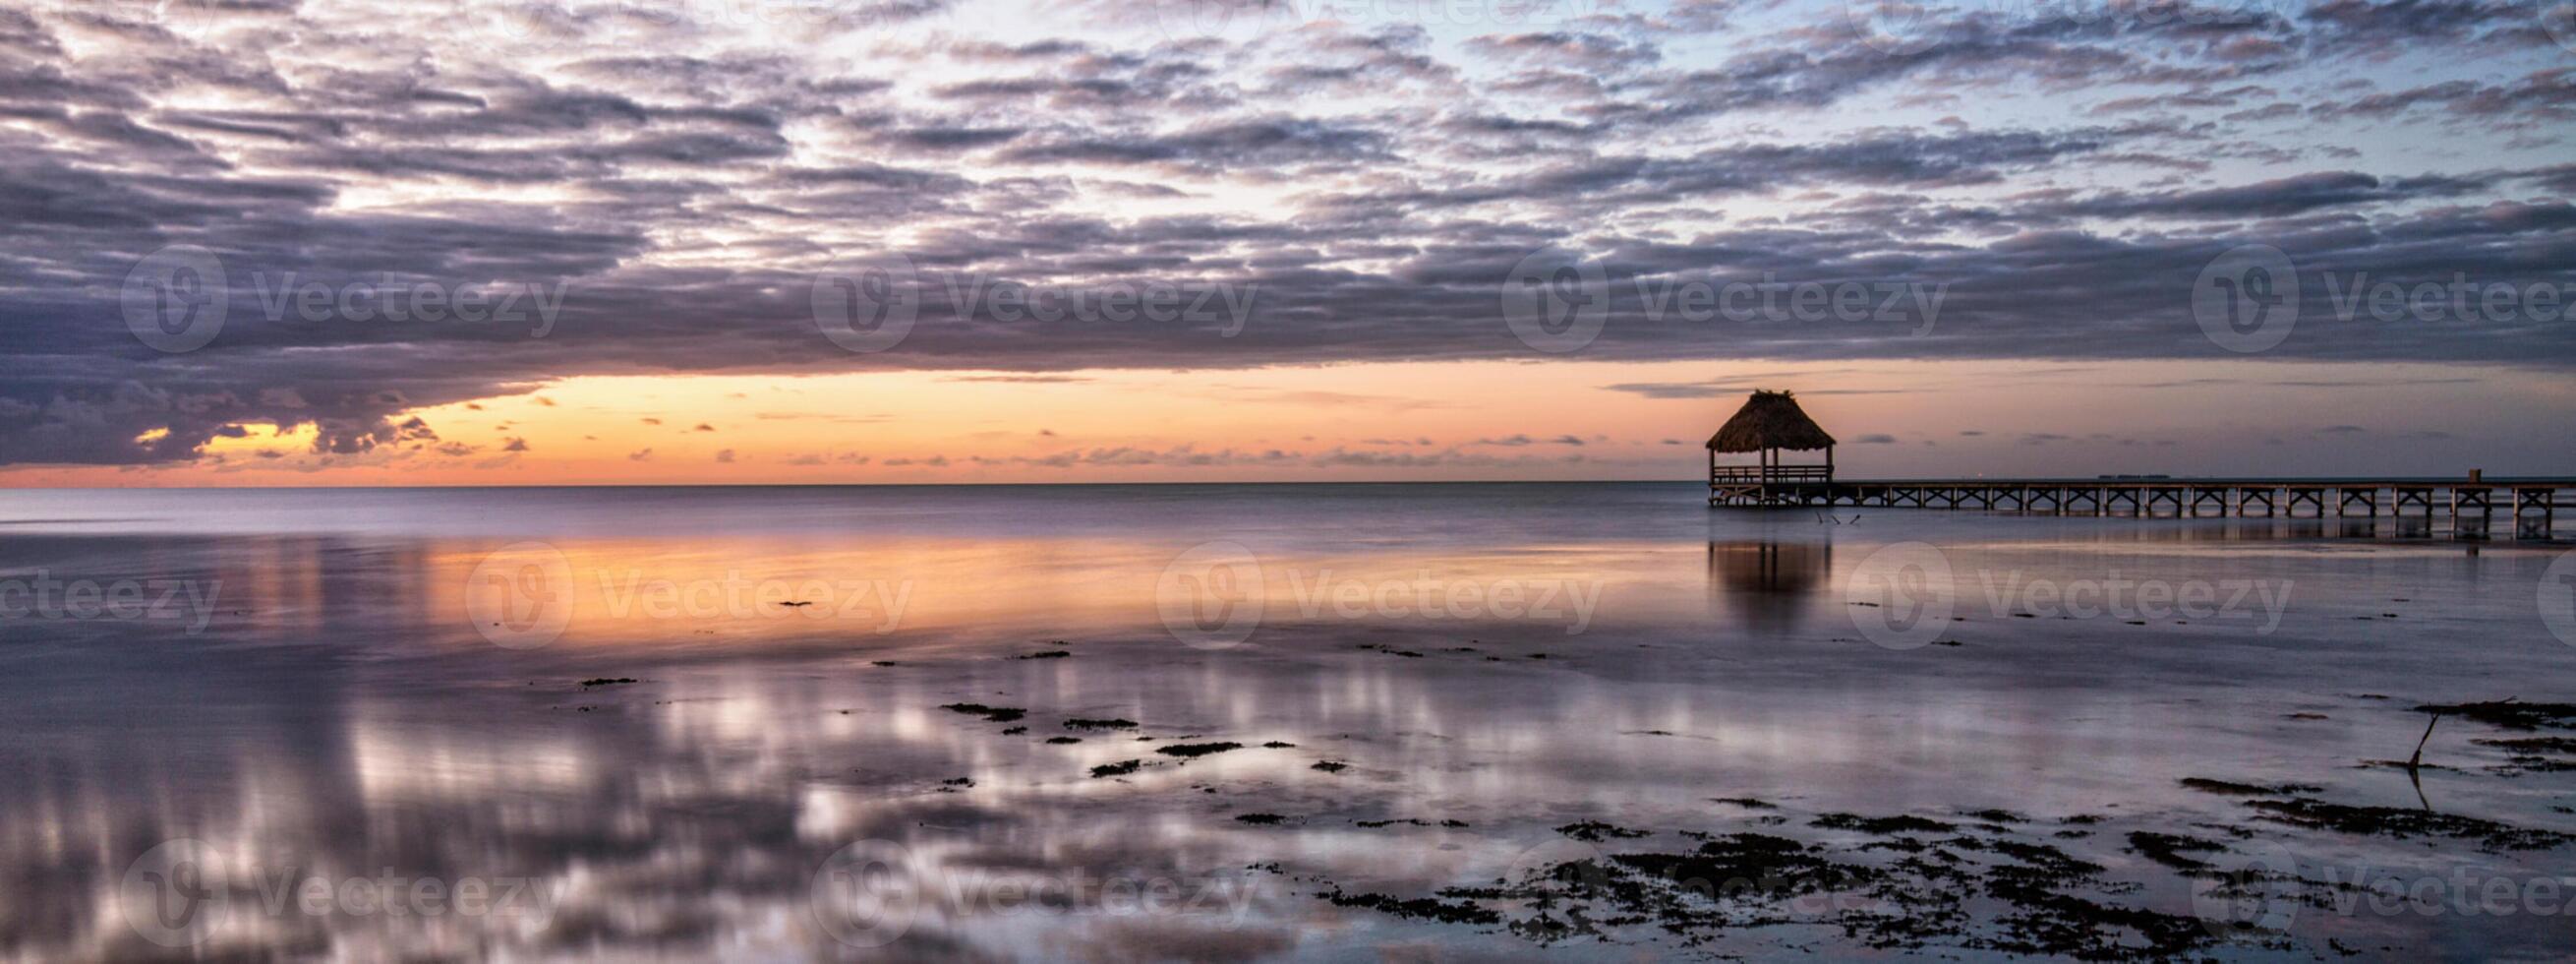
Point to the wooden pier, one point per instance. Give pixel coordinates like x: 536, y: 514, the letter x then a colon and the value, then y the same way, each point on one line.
x: 1772, y: 423
x: 2534, y: 501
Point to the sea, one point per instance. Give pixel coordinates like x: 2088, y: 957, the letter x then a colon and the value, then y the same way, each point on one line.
x: 1296, y: 722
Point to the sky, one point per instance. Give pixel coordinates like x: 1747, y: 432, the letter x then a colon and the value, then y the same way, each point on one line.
x: 293, y: 242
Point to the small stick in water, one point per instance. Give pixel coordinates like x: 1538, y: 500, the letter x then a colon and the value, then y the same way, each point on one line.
x: 2417, y: 760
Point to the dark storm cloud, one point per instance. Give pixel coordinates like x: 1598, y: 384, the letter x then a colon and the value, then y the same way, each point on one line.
x: 672, y: 191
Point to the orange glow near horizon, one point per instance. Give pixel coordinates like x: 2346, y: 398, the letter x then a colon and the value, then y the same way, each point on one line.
x: 1402, y: 421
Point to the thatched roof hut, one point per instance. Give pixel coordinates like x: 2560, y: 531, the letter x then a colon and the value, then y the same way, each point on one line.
x: 1770, y: 420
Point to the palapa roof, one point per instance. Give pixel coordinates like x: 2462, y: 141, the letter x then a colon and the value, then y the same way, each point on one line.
x: 1769, y: 420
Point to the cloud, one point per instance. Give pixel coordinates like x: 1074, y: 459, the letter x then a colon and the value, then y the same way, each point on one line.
x: 663, y: 196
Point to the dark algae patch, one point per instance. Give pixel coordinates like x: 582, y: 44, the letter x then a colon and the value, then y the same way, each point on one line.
x: 1332, y: 766
x: 2173, y: 850
x: 2510, y: 714
x: 1193, y: 750
x: 1064, y: 739
x: 1079, y: 723
x: 1118, y: 769
x: 991, y: 714
x: 2400, y: 822
x: 1594, y: 831
x: 1049, y: 654
x: 605, y: 681
x: 1990, y: 894
x: 1882, y: 825
x: 1424, y: 908
x: 1260, y: 819
x: 2229, y: 788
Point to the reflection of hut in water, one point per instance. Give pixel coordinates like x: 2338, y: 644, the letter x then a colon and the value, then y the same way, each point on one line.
x: 1767, y: 581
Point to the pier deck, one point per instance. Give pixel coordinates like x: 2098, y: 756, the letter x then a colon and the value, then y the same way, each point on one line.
x: 2532, y: 499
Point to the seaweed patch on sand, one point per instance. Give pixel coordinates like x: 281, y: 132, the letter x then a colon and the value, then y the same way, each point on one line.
x: 1594, y: 831
x: 2510, y: 714
x: 1901, y: 823
x: 1970, y: 894
x: 2230, y: 788
x: 2403, y: 823
x: 1194, y: 750
x: 2531, y: 755
x: 1118, y: 769
x: 991, y: 714
x: 1079, y: 723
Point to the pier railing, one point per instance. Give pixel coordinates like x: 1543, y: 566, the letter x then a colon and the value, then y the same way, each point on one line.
x: 2530, y: 500
x: 1772, y: 473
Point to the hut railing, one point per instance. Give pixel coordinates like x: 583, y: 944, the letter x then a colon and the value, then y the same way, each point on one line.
x: 1771, y: 473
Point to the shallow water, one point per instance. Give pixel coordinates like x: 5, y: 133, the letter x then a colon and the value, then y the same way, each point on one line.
x: 308, y: 700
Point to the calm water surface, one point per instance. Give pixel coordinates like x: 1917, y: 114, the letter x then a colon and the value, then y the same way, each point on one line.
x: 307, y: 724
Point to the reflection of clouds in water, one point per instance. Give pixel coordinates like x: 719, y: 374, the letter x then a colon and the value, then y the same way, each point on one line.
x: 345, y: 727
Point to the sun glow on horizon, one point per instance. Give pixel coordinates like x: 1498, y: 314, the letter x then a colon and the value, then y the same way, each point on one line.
x: 1391, y: 421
